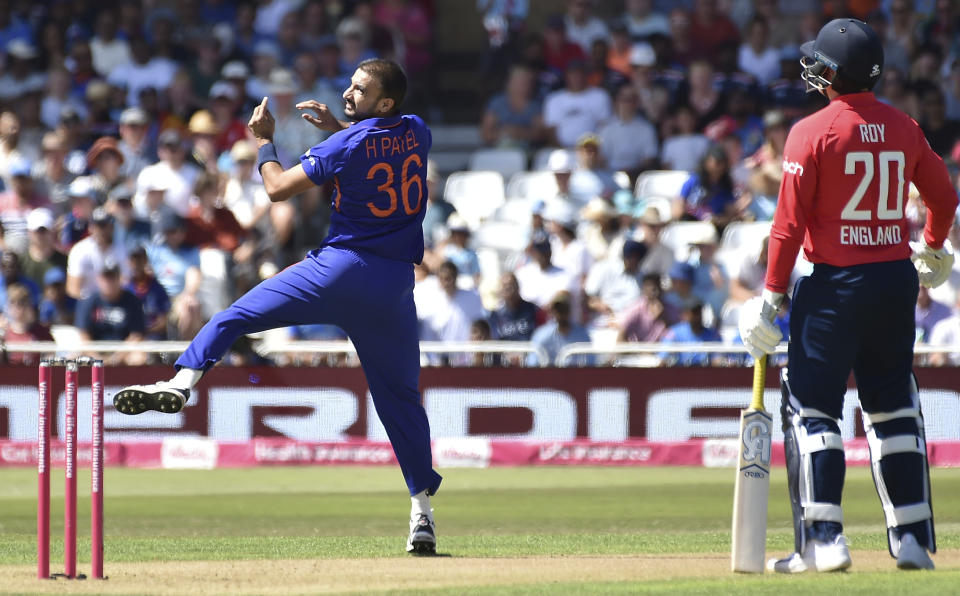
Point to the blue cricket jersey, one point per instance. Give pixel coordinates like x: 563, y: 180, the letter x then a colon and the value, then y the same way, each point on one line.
x: 379, y: 171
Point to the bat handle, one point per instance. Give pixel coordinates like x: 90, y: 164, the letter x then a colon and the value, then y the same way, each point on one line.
x: 759, y: 383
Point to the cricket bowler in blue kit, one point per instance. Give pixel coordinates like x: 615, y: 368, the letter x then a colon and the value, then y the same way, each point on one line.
x: 361, y: 276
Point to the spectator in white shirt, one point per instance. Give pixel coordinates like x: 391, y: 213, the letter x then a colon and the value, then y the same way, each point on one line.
x: 87, y: 257
x: 577, y: 109
x: 642, y: 21
x: 568, y: 253
x: 447, y: 312
x: 591, y: 178
x: 172, y: 167
x: 615, y: 285
x: 20, y: 76
x: 582, y: 27
x: 540, y: 279
x: 109, y: 52
x: 628, y: 142
x: 685, y: 149
x: 947, y: 333
x: 144, y: 70
x: 757, y: 57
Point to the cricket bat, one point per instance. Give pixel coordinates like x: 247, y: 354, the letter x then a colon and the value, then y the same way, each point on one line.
x: 752, y: 488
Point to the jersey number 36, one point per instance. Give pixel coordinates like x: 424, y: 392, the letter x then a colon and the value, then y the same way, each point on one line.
x: 886, y: 160
x: 383, y: 170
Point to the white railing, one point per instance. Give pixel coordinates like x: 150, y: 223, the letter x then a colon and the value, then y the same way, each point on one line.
x: 272, y: 348
x: 426, y: 347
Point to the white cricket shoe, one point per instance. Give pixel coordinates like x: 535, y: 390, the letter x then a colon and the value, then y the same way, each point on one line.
x: 817, y: 556
x: 912, y: 555
x: 423, y: 537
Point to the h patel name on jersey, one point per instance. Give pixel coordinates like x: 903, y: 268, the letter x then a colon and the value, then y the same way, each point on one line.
x: 389, y: 146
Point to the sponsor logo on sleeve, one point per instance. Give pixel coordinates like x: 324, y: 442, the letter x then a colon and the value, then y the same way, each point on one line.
x: 792, y: 167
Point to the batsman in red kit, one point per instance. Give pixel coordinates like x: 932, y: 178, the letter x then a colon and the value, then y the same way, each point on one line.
x: 847, y: 170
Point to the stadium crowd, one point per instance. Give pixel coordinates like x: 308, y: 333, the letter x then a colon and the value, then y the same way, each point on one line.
x: 132, y: 210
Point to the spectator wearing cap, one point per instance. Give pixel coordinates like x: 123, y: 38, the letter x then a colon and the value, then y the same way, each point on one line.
x: 560, y: 331
x: 438, y: 209
x: 680, y: 294
x: 600, y: 229
x: 20, y: 77
x: 628, y: 141
x: 690, y: 329
x: 144, y: 285
x: 513, y: 117
x: 144, y: 70
x: 514, y: 319
x: 112, y: 313
x: 591, y: 178
x: 765, y: 166
x: 642, y: 21
x: 456, y: 249
x: 562, y: 163
x: 684, y: 147
x: 204, y: 132
x: 567, y: 252
x: 660, y: 257
x: 246, y: 198
x: 105, y: 163
x: 757, y: 57
x: 266, y: 57
x: 708, y: 194
x: 51, y: 174
x: 18, y: 324
x: 558, y: 51
x: 41, y: 253
x: 711, y: 283
x: 11, y: 274
x: 129, y: 231
x: 575, y: 110
x: 173, y: 168
x: 108, y: 50
x: 539, y: 279
x: 293, y: 134
x: 12, y: 151
x: 177, y: 267
x: 614, y: 285
x: 225, y: 100
x: 17, y: 203
x: 87, y: 257
x: 446, y: 310
x: 353, y: 37
x: 134, y: 142
x: 76, y: 223
x: 56, y: 307
x: 58, y: 96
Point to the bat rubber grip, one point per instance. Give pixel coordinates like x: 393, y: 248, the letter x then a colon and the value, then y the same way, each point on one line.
x: 759, y: 383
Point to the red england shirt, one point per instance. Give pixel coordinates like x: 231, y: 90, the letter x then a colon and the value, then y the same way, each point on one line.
x: 846, y: 174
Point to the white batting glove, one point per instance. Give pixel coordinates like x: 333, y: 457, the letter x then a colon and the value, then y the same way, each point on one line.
x: 933, y: 265
x: 757, y: 330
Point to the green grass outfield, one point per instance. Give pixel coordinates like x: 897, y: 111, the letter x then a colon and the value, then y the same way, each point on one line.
x: 676, y: 517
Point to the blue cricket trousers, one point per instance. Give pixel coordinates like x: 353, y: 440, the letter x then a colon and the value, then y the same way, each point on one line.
x: 858, y: 318
x: 371, y: 299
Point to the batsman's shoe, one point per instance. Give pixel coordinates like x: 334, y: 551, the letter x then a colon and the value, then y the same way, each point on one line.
x: 160, y: 397
x: 423, y: 537
x: 912, y: 555
x: 817, y: 556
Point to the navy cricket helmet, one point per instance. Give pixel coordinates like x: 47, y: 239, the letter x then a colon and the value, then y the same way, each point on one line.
x: 848, y: 47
